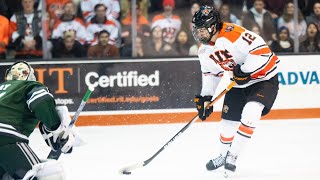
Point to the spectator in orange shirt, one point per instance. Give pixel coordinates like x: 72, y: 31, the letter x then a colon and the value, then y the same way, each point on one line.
x: 143, y: 26
x: 103, y: 49
x: 55, y: 10
x: 4, y: 36
x: 143, y: 31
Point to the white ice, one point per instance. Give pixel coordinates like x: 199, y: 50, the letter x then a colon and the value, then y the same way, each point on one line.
x: 279, y: 149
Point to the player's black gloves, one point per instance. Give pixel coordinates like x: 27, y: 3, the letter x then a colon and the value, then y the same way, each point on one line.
x: 201, y: 103
x: 55, y: 140
x: 240, y: 77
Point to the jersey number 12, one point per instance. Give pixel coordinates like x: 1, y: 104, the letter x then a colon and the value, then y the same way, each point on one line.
x: 248, y: 38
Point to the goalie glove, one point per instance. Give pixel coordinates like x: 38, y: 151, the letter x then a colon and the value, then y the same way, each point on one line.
x: 57, y: 139
x: 201, y: 103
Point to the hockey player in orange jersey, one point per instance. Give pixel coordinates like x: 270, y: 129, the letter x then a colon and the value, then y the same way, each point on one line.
x: 248, y: 59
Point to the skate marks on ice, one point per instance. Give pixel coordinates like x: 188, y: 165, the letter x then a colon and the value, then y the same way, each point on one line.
x: 282, y: 149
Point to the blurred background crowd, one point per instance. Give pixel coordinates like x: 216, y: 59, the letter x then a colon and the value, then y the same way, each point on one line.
x: 109, y: 29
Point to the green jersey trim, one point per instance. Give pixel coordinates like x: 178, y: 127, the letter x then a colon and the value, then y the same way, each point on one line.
x: 38, y: 95
x: 10, y: 131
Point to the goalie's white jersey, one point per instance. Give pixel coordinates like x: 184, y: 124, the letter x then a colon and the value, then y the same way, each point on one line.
x: 236, y: 45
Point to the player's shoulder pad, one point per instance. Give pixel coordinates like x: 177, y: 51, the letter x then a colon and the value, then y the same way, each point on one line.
x: 202, y: 49
x: 206, y: 49
x: 34, y: 86
x: 231, y: 32
x: 36, y: 92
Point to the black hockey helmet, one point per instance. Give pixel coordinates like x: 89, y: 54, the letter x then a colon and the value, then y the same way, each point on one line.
x: 203, y: 20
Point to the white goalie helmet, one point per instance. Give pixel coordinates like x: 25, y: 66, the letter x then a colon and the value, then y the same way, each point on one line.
x: 20, y: 70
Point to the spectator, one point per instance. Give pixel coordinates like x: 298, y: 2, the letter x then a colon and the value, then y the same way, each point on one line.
x: 315, y: 16
x: 143, y: 25
x: 238, y: 7
x: 256, y: 29
x: 25, y: 27
x: 88, y: 7
x: 182, y: 45
x: 284, y: 43
x: 69, y: 22
x: 193, y: 51
x: 275, y: 7
x: 68, y: 47
x: 287, y: 20
x: 4, y: 36
x: 306, y: 6
x: 227, y: 16
x: 259, y: 15
x: 101, y: 22
x: 195, y: 6
x: 103, y: 49
x: 157, y: 47
x: 312, y: 42
x: 55, y: 10
x: 168, y: 22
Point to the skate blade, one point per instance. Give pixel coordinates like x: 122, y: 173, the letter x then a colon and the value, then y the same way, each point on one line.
x: 228, y: 174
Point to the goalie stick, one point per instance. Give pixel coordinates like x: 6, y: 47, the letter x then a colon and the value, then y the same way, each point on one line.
x: 127, y: 170
x: 56, y: 154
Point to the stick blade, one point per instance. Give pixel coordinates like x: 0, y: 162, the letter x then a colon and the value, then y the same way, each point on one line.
x: 128, y: 169
x: 54, y: 154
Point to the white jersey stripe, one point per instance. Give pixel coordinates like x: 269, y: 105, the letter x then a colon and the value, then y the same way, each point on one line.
x: 14, y: 133
x: 36, y: 97
x: 37, y: 92
x: 7, y: 126
x: 28, y: 150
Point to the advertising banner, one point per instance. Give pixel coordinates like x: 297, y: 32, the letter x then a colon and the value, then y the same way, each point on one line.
x: 122, y: 85
x: 153, y: 91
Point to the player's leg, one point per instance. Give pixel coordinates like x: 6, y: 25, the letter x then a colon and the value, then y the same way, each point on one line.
x: 17, y: 159
x: 260, y: 97
x: 250, y: 116
x: 231, y: 113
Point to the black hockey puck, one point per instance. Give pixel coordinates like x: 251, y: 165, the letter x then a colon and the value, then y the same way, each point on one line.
x: 126, y: 172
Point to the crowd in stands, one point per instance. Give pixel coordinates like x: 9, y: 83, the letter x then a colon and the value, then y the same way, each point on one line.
x: 102, y: 29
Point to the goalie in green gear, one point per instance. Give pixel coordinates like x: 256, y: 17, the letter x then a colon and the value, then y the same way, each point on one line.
x: 23, y: 103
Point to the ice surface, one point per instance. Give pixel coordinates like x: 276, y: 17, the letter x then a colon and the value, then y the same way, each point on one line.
x: 282, y: 149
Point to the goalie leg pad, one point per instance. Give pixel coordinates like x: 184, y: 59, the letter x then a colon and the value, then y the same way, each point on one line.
x: 50, y: 170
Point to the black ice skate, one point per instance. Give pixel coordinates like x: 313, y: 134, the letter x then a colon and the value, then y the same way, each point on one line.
x: 230, y: 164
x: 215, y: 163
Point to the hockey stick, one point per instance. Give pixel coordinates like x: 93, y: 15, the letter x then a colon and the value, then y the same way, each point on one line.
x: 56, y: 154
x: 127, y: 170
